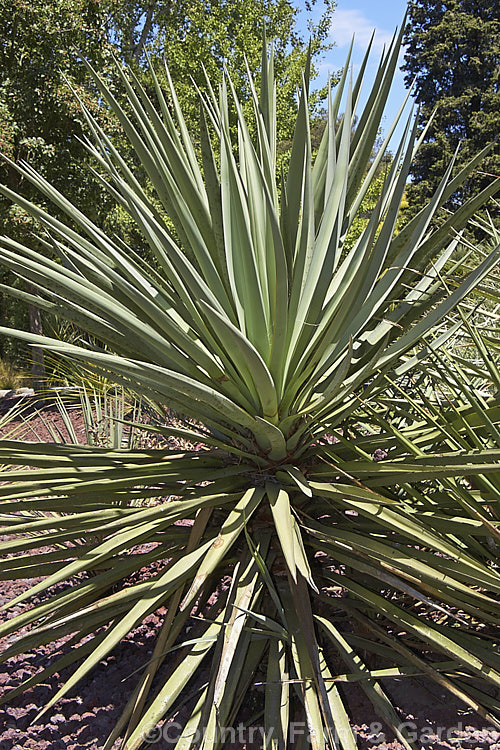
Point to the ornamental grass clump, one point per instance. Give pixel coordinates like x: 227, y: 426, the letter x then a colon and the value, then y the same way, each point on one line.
x: 296, y: 358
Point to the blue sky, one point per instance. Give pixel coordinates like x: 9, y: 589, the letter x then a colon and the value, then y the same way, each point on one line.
x: 360, y: 17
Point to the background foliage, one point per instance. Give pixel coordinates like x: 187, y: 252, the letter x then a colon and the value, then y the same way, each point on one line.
x: 41, y: 45
x: 453, y: 53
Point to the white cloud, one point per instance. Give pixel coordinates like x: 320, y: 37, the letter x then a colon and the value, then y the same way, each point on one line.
x: 348, y: 22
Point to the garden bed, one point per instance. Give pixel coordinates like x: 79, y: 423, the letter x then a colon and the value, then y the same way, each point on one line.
x: 85, y: 717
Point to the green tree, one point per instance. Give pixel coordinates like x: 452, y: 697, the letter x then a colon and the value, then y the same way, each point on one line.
x: 453, y: 53
x: 39, y: 66
x: 40, y: 115
x: 215, y: 34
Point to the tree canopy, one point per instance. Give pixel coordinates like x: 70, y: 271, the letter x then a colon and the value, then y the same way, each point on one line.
x: 453, y: 54
x: 41, y: 49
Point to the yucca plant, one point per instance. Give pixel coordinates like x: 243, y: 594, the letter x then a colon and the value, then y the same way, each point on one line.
x: 110, y: 419
x: 252, y: 320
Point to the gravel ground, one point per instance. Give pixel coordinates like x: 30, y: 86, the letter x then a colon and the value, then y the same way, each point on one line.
x: 84, y: 719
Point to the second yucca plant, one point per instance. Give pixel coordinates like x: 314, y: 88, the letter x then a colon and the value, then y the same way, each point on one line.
x: 253, y: 320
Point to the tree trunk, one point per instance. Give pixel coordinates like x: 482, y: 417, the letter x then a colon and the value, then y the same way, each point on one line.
x: 37, y: 358
x: 138, y: 49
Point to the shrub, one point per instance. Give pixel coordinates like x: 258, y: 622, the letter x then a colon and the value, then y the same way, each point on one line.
x: 10, y: 377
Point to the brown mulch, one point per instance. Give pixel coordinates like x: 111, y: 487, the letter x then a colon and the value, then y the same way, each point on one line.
x: 28, y: 426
